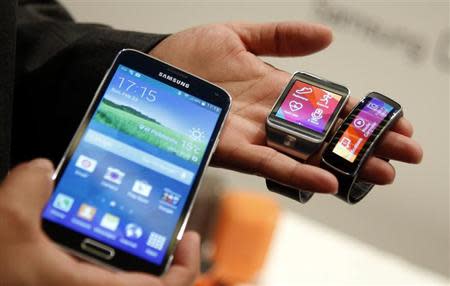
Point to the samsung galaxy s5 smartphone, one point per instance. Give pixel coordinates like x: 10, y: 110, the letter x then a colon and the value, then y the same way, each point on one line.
x: 128, y: 180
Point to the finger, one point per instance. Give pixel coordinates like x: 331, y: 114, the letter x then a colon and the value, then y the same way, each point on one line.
x: 29, y: 186
x: 399, y: 147
x: 186, y: 264
x: 402, y: 126
x: 377, y: 171
x: 94, y: 275
x: 283, y: 38
x: 59, y: 268
x: 281, y: 168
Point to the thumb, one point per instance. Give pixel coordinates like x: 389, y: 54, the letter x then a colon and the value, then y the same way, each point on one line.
x: 29, y: 185
x: 283, y: 38
x: 186, y: 264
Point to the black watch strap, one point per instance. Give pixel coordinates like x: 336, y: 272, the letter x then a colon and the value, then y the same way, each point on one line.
x: 351, y: 190
x: 287, y: 191
x: 295, y: 194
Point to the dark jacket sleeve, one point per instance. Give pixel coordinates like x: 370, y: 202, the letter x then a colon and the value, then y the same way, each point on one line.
x: 59, y: 66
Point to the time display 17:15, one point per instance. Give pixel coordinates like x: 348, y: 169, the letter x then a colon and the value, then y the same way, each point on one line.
x: 131, y: 88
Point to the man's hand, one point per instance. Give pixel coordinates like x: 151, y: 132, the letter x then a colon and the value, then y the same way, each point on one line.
x: 227, y: 56
x: 28, y: 257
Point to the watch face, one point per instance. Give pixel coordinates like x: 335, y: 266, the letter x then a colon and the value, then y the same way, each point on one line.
x: 309, y: 105
x: 356, y: 137
x: 362, y: 127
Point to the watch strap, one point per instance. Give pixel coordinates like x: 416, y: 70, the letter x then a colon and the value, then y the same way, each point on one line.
x: 290, y: 146
x: 359, y: 190
x: 351, y: 190
x: 295, y: 194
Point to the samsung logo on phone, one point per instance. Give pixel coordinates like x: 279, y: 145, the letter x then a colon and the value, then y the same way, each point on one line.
x: 173, y: 79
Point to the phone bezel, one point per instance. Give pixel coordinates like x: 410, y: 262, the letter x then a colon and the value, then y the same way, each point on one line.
x: 198, y: 87
x: 351, y: 168
x: 300, y: 131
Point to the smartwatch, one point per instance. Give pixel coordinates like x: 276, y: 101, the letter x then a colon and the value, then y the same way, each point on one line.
x: 355, y: 140
x: 300, y: 121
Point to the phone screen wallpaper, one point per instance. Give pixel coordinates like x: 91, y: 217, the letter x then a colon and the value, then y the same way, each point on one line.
x: 361, y: 128
x: 308, y: 106
x: 129, y: 178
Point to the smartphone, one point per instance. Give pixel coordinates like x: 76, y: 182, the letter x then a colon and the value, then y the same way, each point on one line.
x: 127, y: 182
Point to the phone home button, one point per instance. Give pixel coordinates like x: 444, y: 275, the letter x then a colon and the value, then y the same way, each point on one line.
x: 98, y: 249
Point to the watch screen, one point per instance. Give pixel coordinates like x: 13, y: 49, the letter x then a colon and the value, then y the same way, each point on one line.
x: 361, y: 128
x: 308, y: 106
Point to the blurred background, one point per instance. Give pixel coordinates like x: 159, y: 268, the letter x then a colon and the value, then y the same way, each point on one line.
x: 399, y: 235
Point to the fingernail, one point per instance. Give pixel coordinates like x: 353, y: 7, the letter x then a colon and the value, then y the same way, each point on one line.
x: 333, y: 191
x: 42, y: 164
x: 195, y: 237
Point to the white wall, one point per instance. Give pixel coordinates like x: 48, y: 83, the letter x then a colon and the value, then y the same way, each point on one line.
x: 388, y: 46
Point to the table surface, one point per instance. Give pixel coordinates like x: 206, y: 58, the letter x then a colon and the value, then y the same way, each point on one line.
x: 311, y: 254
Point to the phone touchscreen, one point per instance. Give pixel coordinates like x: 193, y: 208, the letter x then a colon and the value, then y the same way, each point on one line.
x: 128, y: 180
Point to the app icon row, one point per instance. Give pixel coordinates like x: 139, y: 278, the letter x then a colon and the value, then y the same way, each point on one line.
x: 108, y: 221
x: 115, y: 175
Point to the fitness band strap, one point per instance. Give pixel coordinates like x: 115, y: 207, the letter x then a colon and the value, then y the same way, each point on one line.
x: 351, y: 190
x: 295, y: 194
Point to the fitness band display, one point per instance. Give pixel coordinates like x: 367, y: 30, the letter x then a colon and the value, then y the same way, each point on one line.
x: 355, y: 140
x: 301, y: 119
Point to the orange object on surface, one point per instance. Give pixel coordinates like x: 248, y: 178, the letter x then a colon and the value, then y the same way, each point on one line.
x: 206, y: 280
x: 245, y: 224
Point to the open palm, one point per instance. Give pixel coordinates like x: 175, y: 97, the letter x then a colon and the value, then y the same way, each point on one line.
x: 226, y: 54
